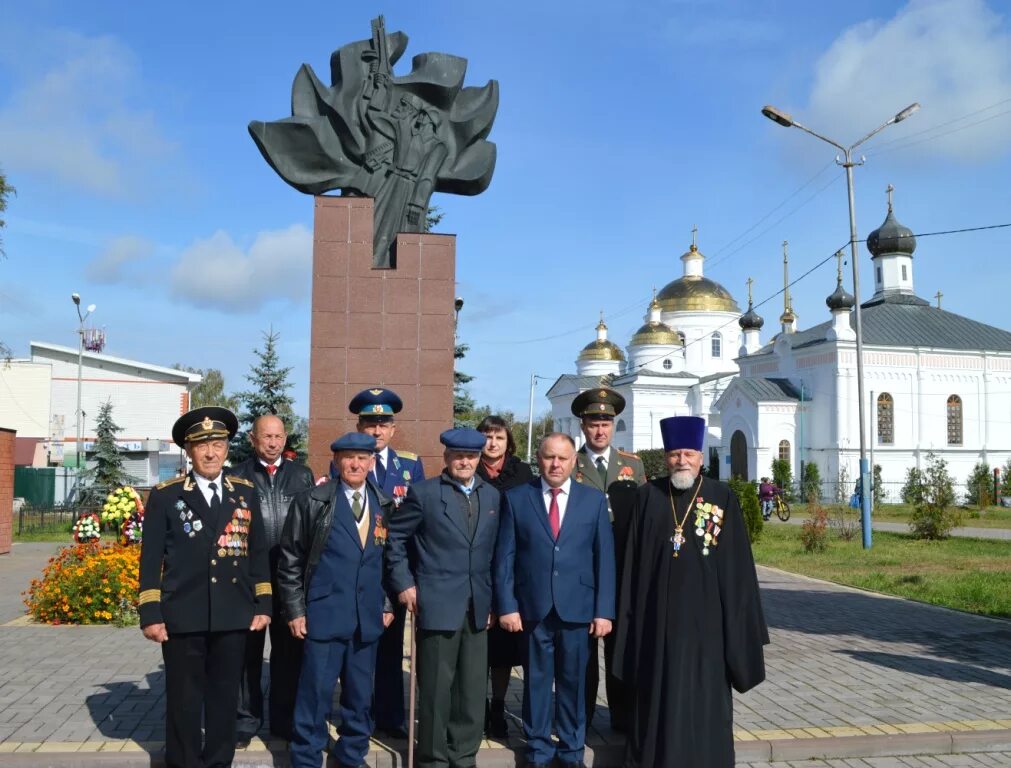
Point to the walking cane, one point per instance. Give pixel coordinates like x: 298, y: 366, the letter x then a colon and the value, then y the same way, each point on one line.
x: 410, y: 708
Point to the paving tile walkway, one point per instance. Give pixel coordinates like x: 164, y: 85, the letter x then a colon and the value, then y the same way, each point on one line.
x: 852, y: 676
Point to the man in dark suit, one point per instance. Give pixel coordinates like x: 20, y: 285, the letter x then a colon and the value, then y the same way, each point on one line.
x: 394, y: 472
x: 330, y: 576
x: 277, y: 480
x: 204, y: 584
x: 554, y: 581
x: 448, y: 524
x: 618, y: 474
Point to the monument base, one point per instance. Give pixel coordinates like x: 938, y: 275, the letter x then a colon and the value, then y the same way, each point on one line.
x: 390, y: 328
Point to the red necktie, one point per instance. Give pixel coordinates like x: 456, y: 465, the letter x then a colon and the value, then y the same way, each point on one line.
x: 554, y: 518
x: 271, y: 469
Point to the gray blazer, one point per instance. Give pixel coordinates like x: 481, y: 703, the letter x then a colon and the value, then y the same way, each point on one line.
x: 430, y: 548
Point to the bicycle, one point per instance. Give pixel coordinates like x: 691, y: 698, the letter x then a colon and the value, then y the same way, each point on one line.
x: 782, y: 507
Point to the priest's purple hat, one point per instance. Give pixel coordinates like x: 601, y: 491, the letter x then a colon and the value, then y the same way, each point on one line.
x: 682, y: 432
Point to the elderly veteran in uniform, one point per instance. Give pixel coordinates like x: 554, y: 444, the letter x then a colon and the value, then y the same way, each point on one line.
x: 277, y: 480
x: 330, y: 576
x: 618, y: 474
x: 438, y: 563
x: 394, y: 472
x: 204, y: 584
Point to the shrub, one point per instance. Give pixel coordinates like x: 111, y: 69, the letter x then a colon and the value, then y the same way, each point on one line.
x: 810, y: 484
x: 87, y: 584
x: 912, y: 487
x: 979, y: 486
x: 814, y: 531
x: 747, y: 495
x: 842, y: 489
x: 782, y: 476
x: 880, y: 492
x: 934, y: 514
x: 846, y: 521
x: 654, y: 463
x: 1006, y: 479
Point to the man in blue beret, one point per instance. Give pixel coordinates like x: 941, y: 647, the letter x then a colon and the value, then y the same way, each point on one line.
x: 394, y: 472
x: 330, y: 579
x: 691, y: 624
x: 449, y: 525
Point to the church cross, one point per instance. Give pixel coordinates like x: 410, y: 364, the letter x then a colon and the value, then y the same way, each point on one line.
x: 938, y: 296
x: 749, y: 281
x: 888, y: 190
x: 838, y: 271
x: 695, y: 231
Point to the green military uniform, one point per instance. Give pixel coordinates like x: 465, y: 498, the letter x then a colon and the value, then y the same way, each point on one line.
x: 624, y: 473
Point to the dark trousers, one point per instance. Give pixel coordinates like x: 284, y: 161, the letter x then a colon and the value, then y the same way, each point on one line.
x: 202, y: 671
x: 324, y: 662
x: 285, y: 665
x: 556, y: 652
x: 388, y: 706
x: 618, y: 699
x: 452, y: 683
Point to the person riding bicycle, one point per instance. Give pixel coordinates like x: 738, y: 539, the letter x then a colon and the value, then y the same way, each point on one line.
x: 767, y: 492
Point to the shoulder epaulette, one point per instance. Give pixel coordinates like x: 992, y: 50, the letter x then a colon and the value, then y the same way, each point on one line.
x: 628, y: 454
x: 173, y: 481
x: 407, y: 455
x: 240, y: 480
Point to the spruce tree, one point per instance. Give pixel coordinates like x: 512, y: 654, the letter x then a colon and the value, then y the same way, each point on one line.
x: 269, y: 395
x: 108, y: 473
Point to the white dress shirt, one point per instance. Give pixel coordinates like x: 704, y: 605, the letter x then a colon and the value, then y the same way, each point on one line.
x: 593, y: 456
x: 204, y: 485
x: 563, y: 498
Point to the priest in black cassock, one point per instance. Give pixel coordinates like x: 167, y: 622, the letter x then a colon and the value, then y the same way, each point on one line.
x: 690, y: 617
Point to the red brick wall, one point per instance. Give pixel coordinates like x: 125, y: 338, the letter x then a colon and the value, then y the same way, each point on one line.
x: 6, y: 489
x: 379, y: 327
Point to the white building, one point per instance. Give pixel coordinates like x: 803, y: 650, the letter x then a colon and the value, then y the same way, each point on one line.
x: 39, y: 400
x: 935, y: 381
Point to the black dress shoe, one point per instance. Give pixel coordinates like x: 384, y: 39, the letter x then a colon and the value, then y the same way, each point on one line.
x: 241, y: 742
x: 495, y: 722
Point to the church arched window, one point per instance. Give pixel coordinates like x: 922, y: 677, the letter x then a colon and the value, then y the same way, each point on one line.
x: 954, y: 420
x: 886, y: 419
x: 717, y: 344
x: 784, y: 450
x: 620, y: 426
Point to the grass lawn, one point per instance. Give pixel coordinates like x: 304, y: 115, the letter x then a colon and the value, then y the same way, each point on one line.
x: 47, y: 535
x: 971, y: 575
x: 988, y: 517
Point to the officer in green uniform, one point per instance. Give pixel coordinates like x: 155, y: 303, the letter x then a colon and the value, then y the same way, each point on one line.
x: 618, y: 474
x: 204, y: 584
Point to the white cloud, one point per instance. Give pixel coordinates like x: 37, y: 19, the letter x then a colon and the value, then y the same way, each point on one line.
x: 216, y: 273
x: 952, y: 56
x: 114, y: 264
x: 76, y: 114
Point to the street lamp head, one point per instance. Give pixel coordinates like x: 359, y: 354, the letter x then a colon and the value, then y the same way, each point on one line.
x: 907, y: 112
x: 777, y: 116
x: 458, y: 304
x: 91, y: 308
x: 76, y: 298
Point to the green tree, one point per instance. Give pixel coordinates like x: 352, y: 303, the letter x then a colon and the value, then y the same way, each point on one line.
x: 210, y: 390
x: 463, y: 404
x: 654, y: 462
x: 934, y: 514
x: 979, y: 486
x: 543, y: 424
x: 1006, y: 479
x: 810, y: 483
x: 108, y: 473
x: 782, y: 476
x: 747, y: 495
x: 269, y: 394
x: 880, y: 492
x: 5, y: 190
x: 433, y: 216
x: 911, y: 488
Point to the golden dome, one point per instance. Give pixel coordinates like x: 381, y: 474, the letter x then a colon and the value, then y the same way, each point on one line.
x: 601, y: 350
x: 655, y: 333
x: 694, y: 293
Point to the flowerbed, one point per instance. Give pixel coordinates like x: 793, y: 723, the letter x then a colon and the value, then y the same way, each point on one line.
x: 87, y: 584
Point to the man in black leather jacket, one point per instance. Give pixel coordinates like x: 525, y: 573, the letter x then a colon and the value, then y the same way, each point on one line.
x: 277, y: 481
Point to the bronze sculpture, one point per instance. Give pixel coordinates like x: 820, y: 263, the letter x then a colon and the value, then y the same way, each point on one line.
x: 396, y: 139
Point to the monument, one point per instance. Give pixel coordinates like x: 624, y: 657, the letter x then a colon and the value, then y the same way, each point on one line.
x: 383, y: 288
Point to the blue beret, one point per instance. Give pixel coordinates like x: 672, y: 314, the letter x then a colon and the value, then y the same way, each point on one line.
x: 463, y: 440
x: 679, y: 432
x: 377, y: 403
x: 354, y: 441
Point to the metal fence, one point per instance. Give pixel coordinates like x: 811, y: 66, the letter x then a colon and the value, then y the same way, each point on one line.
x: 833, y: 492
x: 47, y: 519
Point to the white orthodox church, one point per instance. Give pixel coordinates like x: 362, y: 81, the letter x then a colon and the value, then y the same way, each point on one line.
x: 935, y: 381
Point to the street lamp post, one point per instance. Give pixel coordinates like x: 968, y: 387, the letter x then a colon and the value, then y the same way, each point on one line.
x: 784, y: 119
x: 530, y: 415
x: 80, y: 361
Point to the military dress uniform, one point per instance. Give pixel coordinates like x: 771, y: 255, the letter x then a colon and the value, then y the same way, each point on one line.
x: 394, y: 473
x: 622, y: 474
x: 204, y: 575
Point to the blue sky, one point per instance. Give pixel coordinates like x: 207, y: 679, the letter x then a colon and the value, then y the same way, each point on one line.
x: 621, y: 125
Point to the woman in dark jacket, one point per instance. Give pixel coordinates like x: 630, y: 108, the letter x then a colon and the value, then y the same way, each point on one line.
x: 500, y: 467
